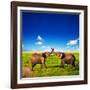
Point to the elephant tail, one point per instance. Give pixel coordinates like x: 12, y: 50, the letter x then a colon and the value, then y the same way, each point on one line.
x: 73, y: 61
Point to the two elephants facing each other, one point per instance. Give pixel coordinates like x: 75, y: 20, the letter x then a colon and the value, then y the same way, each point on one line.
x: 66, y: 58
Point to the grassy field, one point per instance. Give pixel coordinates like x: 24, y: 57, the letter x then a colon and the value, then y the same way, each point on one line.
x: 53, y: 66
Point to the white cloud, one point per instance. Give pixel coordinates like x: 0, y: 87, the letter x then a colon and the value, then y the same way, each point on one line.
x: 73, y: 45
x: 73, y: 42
x: 67, y: 46
x: 46, y: 48
x: 59, y: 50
x: 39, y: 38
x: 43, y: 46
x: 39, y: 43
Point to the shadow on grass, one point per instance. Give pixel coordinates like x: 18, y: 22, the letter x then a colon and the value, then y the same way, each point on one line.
x: 53, y: 66
x: 65, y: 66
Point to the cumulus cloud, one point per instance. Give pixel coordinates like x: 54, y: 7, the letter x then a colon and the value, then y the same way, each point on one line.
x: 73, y: 42
x: 39, y: 38
x: 39, y: 43
x: 73, y: 45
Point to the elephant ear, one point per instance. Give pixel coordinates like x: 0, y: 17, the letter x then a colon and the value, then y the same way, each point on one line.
x: 62, y: 55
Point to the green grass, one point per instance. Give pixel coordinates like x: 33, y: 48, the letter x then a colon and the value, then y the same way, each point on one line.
x: 53, y: 66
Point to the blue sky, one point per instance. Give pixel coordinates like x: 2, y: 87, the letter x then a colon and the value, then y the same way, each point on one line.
x: 42, y: 31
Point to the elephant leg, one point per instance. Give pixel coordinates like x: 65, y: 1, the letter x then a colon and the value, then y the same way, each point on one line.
x: 45, y: 65
x: 33, y: 65
x: 42, y: 63
x: 62, y: 63
x: 73, y: 64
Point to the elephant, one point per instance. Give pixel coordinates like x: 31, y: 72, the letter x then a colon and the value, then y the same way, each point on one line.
x: 38, y: 58
x: 66, y: 58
